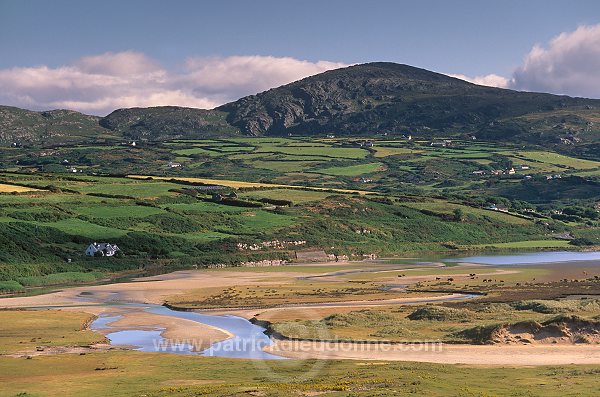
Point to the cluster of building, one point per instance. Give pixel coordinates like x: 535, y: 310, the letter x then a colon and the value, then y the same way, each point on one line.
x: 496, y: 207
x: 509, y: 171
x: 442, y: 143
x: 102, y: 249
x: 364, y: 143
x: 276, y: 244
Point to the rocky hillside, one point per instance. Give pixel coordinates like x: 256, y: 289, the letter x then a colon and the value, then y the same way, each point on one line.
x: 23, y: 127
x: 167, y: 122
x: 388, y: 97
x: 57, y: 127
x: 365, y: 99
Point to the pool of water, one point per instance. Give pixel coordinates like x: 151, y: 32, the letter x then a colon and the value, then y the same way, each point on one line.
x: 530, y: 258
x: 248, y: 340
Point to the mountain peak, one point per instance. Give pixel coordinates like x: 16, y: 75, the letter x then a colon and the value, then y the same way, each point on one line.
x: 382, y: 97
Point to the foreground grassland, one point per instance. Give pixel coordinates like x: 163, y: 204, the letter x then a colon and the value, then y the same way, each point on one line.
x: 27, y: 329
x: 149, y: 374
x: 118, y: 374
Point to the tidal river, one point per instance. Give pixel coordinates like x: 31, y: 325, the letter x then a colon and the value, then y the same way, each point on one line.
x: 248, y: 339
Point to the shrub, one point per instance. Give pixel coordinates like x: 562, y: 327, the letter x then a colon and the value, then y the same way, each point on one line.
x: 360, y: 317
x: 479, y: 334
x: 440, y: 313
x: 582, y: 241
x: 10, y: 286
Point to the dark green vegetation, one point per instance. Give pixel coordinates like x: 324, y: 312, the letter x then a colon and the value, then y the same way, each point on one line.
x: 173, y: 224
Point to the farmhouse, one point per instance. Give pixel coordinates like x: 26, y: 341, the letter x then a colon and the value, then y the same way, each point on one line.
x: 444, y: 143
x: 364, y: 143
x: 495, y: 207
x: 102, y: 249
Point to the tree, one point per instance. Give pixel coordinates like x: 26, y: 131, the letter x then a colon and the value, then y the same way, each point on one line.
x: 458, y: 215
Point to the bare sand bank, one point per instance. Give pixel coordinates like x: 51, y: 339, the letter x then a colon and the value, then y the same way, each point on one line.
x: 522, y: 355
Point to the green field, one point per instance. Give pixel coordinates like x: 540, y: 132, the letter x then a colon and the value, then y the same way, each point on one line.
x: 559, y: 159
x: 528, y: 244
x: 422, y: 198
x: 296, y: 196
x: 352, y: 170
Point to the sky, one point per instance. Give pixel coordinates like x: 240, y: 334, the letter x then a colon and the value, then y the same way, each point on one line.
x: 96, y: 56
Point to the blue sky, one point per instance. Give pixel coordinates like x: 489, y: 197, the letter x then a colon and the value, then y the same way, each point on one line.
x: 470, y: 38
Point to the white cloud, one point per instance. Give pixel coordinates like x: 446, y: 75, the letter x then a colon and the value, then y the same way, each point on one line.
x: 124, y: 63
x: 492, y: 80
x: 101, y: 83
x: 569, y: 65
x: 98, y: 84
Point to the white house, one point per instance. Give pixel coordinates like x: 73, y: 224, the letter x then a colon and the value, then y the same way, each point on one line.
x: 105, y: 249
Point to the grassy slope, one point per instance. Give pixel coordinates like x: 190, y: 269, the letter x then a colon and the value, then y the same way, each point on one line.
x: 24, y: 330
